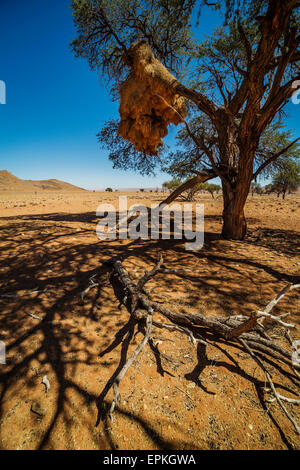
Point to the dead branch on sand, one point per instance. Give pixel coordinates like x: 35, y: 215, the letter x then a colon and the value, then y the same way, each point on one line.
x: 246, y: 332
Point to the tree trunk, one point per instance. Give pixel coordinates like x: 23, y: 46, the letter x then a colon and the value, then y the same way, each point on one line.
x: 236, y: 175
x: 234, y: 222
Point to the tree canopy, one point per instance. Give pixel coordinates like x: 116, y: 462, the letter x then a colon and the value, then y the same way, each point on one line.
x: 287, y: 179
x: 236, y: 84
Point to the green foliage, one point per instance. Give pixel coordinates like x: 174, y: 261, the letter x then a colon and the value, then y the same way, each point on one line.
x: 212, y: 188
x: 109, y: 190
x: 268, y: 188
x: 256, y: 188
x: 209, y: 187
x: 107, y: 28
x: 173, y: 184
x: 274, y: 138
x: 122, y: 153
x: 191, y: 192
x: 186, y: 159
x: 237, y: 82
x: 287, y: 180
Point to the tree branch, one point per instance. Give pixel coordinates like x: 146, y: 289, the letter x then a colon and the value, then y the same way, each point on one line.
x: 236, y: 329
x: 200, y: 178
x: 273, y: 158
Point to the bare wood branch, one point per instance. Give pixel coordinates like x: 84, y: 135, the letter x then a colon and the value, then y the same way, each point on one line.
x: 148, y: 275
x: 244, y: 327
x: 199, y: 178
x: 273, y: 158
x: 276, y: 319
x: 283, y: 398
x: 279, y: 296
x: 137, y: 351
x: 268, y: 377
x: 15, y: 296
x: 85, y: 291
x: 236, y: 329
x: 34, y: 316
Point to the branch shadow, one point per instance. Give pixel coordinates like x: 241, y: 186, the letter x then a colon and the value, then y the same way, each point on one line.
x: 31, y: 260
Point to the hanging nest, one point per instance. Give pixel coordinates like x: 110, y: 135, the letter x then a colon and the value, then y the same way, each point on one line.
x: 148, y: 103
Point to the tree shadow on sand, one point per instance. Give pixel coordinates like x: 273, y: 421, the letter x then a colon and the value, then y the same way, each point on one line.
x: 35, y: 256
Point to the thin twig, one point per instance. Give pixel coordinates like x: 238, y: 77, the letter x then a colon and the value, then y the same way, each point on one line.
x: 85, y: 291
x: 268, y: 377
x: 117, y: 396
x: 280, y: 296
x: 34, y: 316
x: 283, y: 398
x: 14, y: 296
x: 276, y: 319
x: 183, y: 391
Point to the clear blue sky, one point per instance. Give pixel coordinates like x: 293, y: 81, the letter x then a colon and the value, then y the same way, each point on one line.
x: 55, y: 104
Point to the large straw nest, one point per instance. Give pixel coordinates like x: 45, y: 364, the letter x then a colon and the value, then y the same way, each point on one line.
x: 148, y: 103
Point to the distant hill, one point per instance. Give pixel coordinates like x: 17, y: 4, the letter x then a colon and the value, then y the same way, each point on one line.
x: 8, y: 181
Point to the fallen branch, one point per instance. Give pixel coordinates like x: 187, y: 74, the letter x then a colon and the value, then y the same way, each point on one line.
x: 117, y: 396
x: 283, y: 398
x: 34, y: 316
x: 236, y: 330
x: 14, y: 296
x: 183, y: 391
x: 85, y: 291
x: 276, y: 319
x: 268, y: 377
x: 279, y: 297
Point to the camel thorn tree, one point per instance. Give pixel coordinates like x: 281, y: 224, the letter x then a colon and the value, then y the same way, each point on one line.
x: 233, y: 86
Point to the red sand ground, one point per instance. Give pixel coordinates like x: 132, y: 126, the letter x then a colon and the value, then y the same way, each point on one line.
x: 209, y: 398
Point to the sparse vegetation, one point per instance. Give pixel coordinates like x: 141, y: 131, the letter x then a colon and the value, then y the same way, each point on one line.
x: 228, y: 92
x: 226, y: 280
x: 165, y: 330
x: 241, y: 77
x: 287, y: 180
x: 256, y: 188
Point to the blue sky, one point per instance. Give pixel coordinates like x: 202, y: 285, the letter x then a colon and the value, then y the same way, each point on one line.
x: 55, y: 105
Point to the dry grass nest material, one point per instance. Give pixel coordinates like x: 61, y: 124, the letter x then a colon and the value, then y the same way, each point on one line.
x: 148, y: 103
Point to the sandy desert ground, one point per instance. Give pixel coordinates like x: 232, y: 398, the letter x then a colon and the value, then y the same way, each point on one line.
x: 177, y: 395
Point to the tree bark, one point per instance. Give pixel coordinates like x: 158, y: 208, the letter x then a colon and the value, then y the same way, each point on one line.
x: 200, y: 178
x: 234, y: 221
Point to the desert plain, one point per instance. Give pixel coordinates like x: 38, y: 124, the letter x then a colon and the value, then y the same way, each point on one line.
x: 177, y: 395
